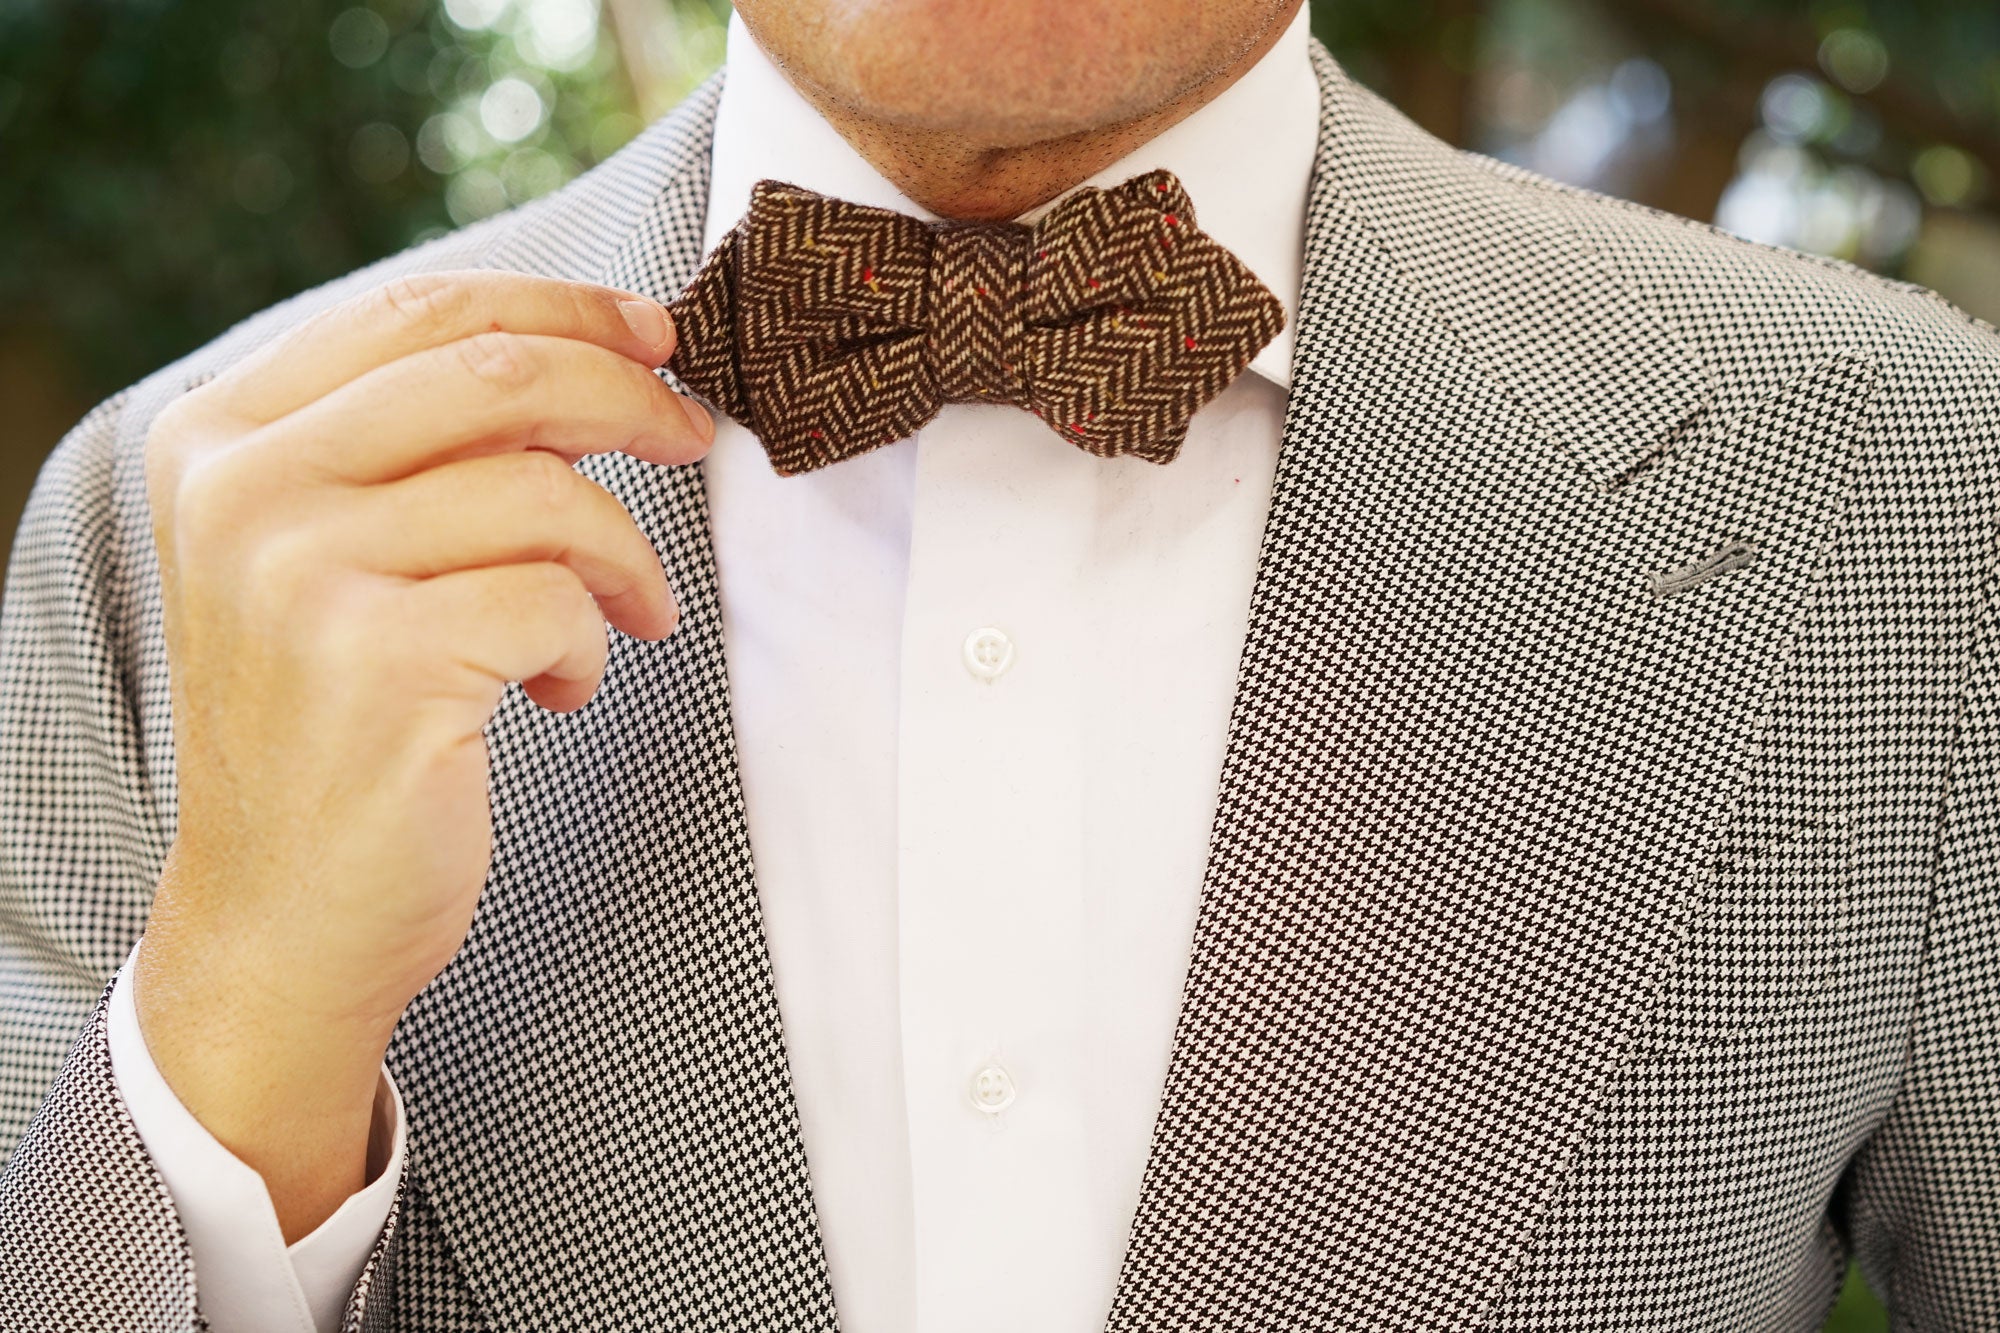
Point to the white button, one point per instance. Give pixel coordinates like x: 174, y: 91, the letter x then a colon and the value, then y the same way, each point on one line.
x: 993, y: 1090
x: 988, y: 652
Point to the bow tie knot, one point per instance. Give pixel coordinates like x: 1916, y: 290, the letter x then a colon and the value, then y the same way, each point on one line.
x: 976, y: 346
x: 830, y: 328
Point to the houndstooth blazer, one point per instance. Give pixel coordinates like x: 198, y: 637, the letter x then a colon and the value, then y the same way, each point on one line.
x: 1600, y: 930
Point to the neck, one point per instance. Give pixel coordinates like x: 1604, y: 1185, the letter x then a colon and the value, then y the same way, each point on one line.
x: 968, y: 178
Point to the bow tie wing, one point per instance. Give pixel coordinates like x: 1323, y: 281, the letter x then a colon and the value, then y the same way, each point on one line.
x: 704, y: 315
x: 812, y: 325
x: 1136, y: 318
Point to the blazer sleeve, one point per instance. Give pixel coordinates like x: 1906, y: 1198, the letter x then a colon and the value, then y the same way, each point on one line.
x: 88, y: 1233
x: 1924, y: 1208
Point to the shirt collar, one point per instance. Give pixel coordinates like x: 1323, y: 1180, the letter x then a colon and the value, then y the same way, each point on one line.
x: 1245, y: 157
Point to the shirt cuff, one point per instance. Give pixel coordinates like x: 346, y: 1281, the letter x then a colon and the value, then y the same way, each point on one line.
x: 248, y: 1280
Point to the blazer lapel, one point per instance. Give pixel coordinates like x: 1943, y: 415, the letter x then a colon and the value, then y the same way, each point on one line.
x: 1477, y: 765
x: 601, y: 1114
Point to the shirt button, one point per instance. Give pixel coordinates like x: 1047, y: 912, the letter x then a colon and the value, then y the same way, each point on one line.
x: 992, y: 1090
x: 988, y: 652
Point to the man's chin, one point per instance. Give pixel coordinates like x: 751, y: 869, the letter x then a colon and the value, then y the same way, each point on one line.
x: 1006, y: 75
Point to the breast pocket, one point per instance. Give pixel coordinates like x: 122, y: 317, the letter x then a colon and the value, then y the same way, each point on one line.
x: 1765, y: 937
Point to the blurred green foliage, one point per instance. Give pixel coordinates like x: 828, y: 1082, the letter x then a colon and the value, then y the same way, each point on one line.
x: 171, y: 167
x: 168, y: 168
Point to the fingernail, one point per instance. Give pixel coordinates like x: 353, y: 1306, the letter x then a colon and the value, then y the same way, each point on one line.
x: 698, y: 417
x: 646, y: 319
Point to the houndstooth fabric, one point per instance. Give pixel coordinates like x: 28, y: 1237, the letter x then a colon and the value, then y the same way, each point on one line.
x: 830, y: 328
x: 1602, y: 924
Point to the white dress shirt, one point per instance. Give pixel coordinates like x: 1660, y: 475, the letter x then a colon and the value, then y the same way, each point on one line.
x: 981, y: 684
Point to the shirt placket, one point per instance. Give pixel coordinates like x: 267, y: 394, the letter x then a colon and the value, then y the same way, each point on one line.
x: 990, y: 911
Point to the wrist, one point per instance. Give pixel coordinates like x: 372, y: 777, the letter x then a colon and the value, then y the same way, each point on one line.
x: 287, y: 964
x: 200, y: 1014
x: 290, y: 1090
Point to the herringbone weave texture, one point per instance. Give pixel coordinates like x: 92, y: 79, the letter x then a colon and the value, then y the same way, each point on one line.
x: 829, y: 328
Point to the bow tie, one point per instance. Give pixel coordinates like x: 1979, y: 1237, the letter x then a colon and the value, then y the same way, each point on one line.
x: 830, y: 328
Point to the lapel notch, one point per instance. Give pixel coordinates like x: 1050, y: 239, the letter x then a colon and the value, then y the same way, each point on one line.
x: 1601, y: 374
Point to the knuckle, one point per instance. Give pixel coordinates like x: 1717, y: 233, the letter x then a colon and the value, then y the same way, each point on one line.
x: 161, y: 457
x: 421, y: 302
x: 546, y: 482
x: 557, y: 593
x: 592, y: 306
x: 497, y: 359
x: 208, y: 496
x: 626, y: 573
x: 167, y: 430
x: 651, y: 396
x: 278, y: 567
x: 559, y: 589
x: 175, y: 432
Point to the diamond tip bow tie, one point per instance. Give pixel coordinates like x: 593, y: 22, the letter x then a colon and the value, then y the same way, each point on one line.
x: 830, y: 328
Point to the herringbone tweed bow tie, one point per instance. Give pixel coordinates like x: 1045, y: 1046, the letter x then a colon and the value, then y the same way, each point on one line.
x: 830, y: 328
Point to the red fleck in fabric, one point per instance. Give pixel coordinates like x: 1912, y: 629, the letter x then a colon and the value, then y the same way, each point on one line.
x: 830, y: 328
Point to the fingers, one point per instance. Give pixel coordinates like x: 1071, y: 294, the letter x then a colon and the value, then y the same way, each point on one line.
x: 533, y: 623
x: 422, y: 311
x: 484, y: 394
x: 515, y: 508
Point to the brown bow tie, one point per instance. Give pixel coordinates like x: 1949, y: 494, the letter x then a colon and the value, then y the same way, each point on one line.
x: 829, y: 328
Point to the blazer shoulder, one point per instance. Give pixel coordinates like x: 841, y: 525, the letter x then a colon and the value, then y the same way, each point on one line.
x: 1758, y: 317
x: 1703, y: 276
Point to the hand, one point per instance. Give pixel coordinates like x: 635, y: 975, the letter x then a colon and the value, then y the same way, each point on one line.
x: 365, y: 531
